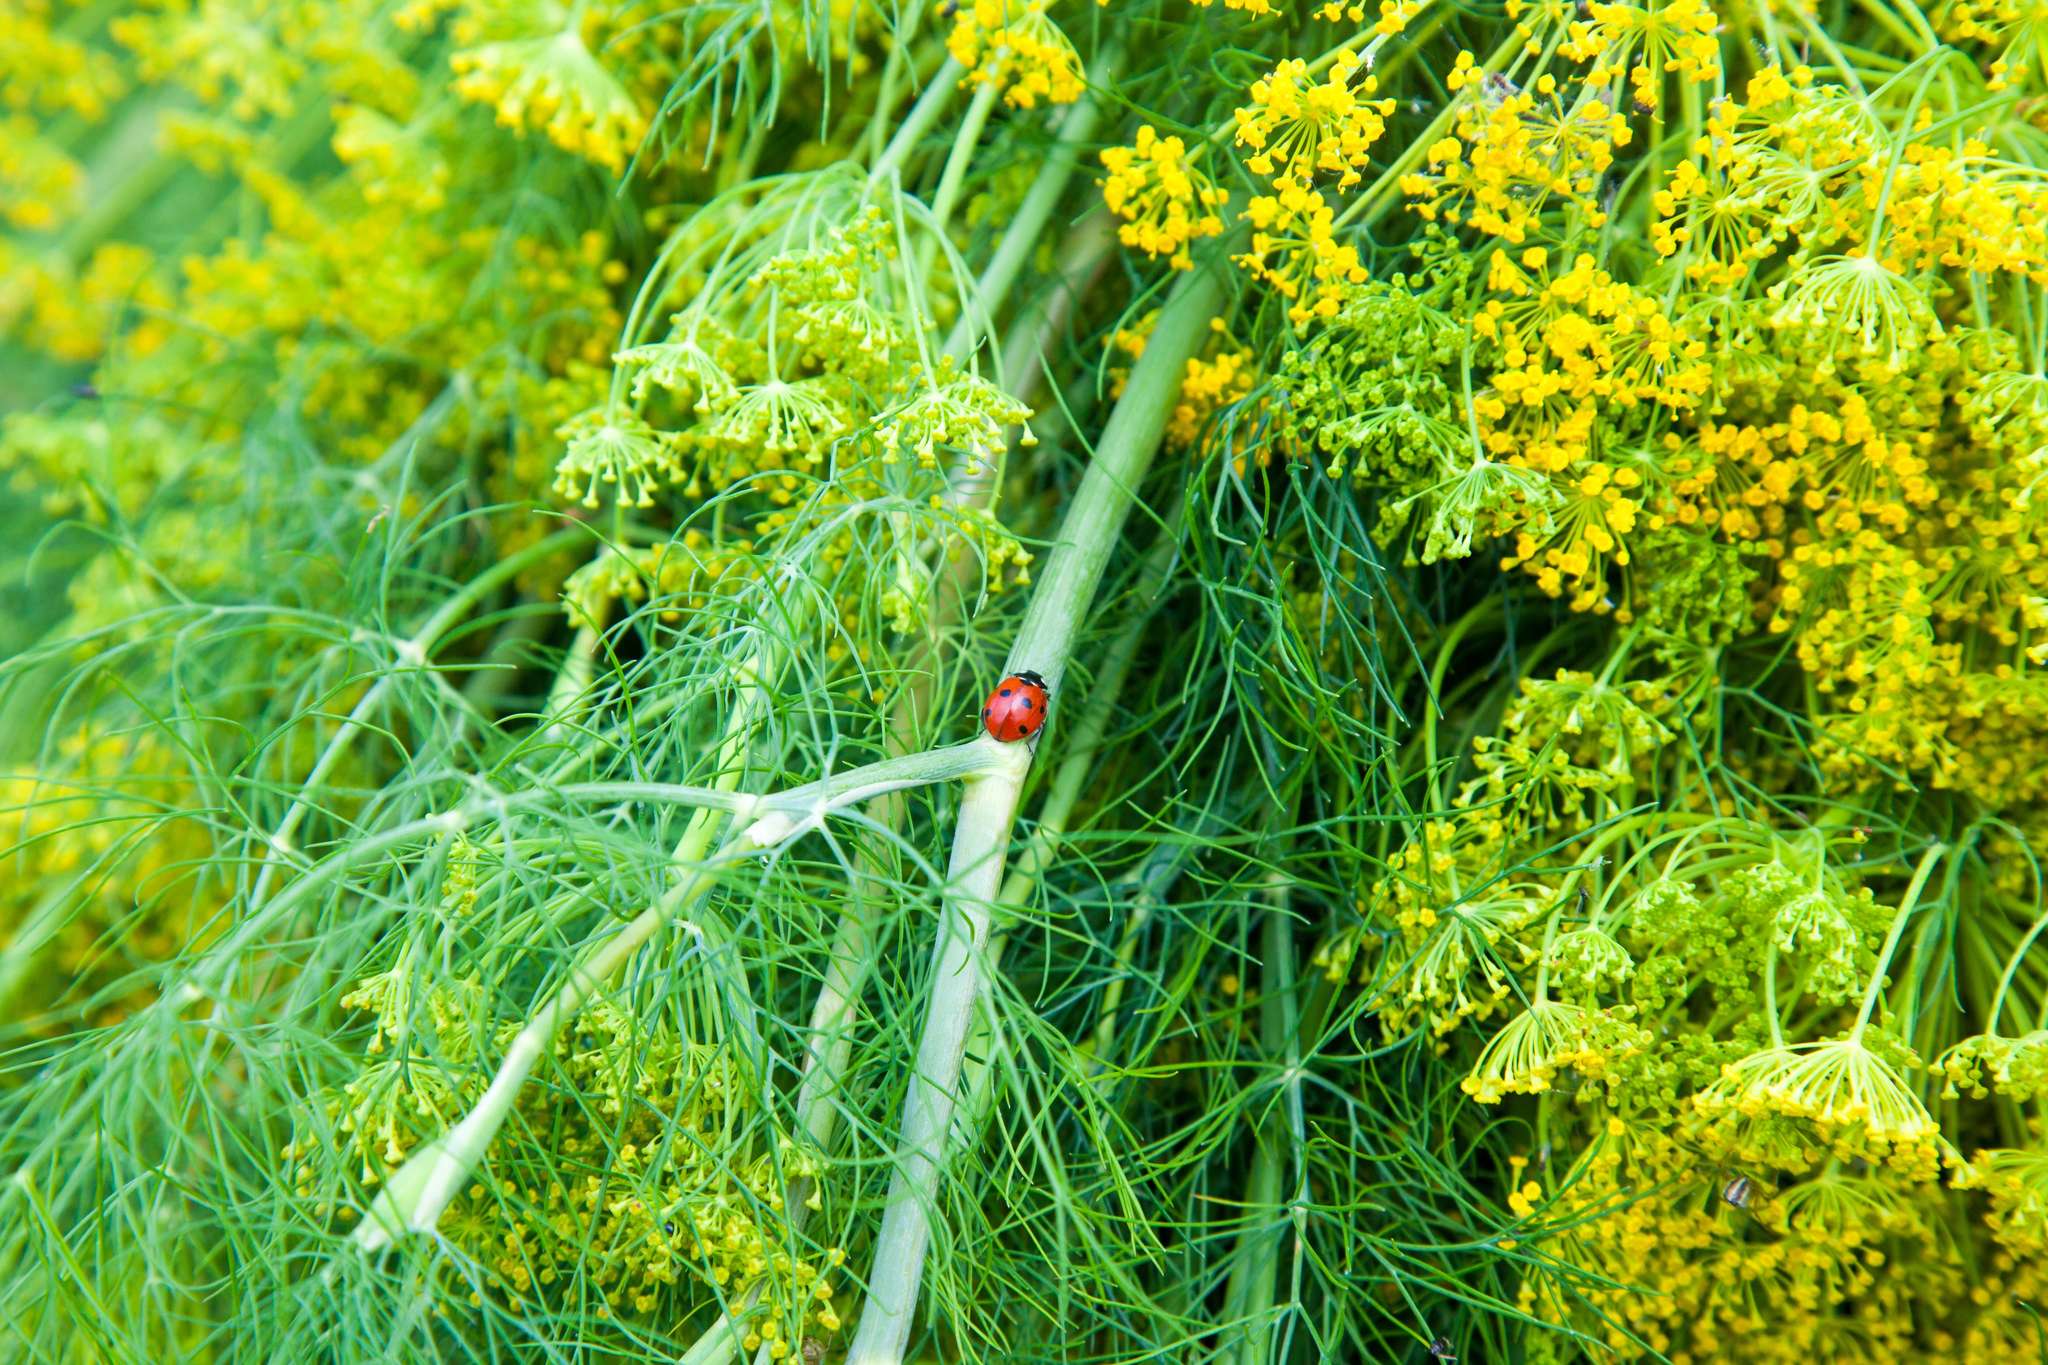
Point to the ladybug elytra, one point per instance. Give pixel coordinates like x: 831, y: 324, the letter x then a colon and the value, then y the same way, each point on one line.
x: 1016, y: 709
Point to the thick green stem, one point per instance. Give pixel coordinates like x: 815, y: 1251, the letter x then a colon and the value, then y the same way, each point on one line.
x: 1248, y: 1303
x: 986, y: 809
x: 572, y: 684
x: 1080, y: 751
x: 1064, y: 594
x: 964, y: 142
x: 917, y: 122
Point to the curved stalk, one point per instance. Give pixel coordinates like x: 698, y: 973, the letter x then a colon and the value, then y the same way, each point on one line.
x: 1907, y: 905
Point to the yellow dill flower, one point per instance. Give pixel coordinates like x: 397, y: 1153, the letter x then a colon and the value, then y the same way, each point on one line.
x: 2017, y: 1067
x: 1717, y: 212
x: 1645, y: 44
x: 1223, y: 373
x: 1545, y: 1039
x: 1960, y: 208
x: 964, y: 414
x: 1210, y: 385
x: 39, y: 185
x: 619, y: 450
x: 51, y: 70
x: 1589, y: 960
x: 1297, y: 129
x: 1858, y: 298
x: 251, y: 63
x: 1580, y: 535
x: 1511, y: 157
x: 393, y: 162
x: 679, y: 577
x: 1163, y: 201
x: 1482, y: 499
x: 2018, y: 28
x: 1016, y: 47
x: 1298, y: 254
x: 553, y: 83
x: 1834, y: 1082
x: 691, y: 363
x: 1394, y: 15
x: 782, y: 417
x: 2016, y: 1179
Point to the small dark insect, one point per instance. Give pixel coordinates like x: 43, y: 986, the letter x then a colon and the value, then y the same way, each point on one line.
x: 86, y: 391
x: 669, y: 1227
x: 1440, y: 1349
x: 949, y: 9
x: 1737, y: 1191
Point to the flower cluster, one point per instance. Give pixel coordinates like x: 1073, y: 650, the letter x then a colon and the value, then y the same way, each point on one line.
x: 685, y: 1216
x: 1015, y: 46
x: 1164, y: 202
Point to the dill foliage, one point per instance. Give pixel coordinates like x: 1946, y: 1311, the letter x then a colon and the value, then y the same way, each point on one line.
x: 1531, y: 515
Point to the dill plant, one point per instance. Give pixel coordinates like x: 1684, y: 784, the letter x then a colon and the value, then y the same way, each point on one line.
x: 1530, y: 516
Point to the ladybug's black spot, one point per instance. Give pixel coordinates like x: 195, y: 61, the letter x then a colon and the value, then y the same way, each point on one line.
x: 1004, y: 693
x: 1027, y: 703
x: 1023, y: 728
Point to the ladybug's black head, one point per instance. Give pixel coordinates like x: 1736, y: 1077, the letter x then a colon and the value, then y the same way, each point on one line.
x: 1025, y: 675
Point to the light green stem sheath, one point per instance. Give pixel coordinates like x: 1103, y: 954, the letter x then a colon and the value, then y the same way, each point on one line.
x: 987, y: 807
x: 955, y: 174
x: 1065, y: 591
x: 1065, y: 794
x: 1078, y: 762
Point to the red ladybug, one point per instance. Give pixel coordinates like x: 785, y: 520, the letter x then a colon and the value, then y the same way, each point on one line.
x: 1016, y: 709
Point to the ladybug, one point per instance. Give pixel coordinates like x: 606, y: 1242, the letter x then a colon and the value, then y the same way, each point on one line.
x: 1016, y: 709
